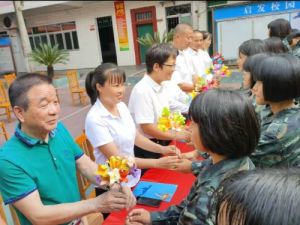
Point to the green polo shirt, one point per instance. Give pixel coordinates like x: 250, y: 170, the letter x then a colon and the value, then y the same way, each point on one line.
x: 28, y: 164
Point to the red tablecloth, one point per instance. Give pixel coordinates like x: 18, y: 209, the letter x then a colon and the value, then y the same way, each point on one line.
x: 184, y: 182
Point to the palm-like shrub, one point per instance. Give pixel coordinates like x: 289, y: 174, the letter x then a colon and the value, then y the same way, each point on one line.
x: 148, y: 40
x: 48, y: 55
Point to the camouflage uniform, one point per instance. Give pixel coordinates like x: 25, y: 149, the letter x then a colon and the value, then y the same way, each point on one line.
x: 199, y: 206
x: 279, y: 143
x: 294, y: 51
x: 261, y: 110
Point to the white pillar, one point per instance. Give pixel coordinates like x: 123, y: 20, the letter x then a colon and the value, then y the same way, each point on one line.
x: 202, y: 15
x: 23, y: 33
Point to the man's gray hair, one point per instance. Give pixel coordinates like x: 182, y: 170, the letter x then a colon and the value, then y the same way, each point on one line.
x: 19, y: 88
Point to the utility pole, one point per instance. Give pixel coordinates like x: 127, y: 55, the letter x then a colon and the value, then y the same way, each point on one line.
x: 23, y: 33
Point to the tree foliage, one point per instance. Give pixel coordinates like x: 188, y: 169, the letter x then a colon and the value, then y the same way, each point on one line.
x: 49, y: 55
x: 148, y: 40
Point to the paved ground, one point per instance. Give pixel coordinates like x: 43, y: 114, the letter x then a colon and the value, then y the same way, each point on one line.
x: 73, y: 116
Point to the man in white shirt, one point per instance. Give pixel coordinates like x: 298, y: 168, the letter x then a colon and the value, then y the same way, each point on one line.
x: 149, y: 97
x: 196, y: 59
x: 182, y: 75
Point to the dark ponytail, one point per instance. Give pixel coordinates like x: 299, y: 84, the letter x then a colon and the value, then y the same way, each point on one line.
x: 90, y: 87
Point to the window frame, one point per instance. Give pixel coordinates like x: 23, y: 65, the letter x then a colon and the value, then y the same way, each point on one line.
x: 62, y: 32
x: 179, y: 14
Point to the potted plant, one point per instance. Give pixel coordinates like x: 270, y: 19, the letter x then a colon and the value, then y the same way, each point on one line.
x: 149, y: 40
x: 48, y: 55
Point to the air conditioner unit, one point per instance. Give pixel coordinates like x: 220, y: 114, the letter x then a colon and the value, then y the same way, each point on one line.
x: 9, y: 22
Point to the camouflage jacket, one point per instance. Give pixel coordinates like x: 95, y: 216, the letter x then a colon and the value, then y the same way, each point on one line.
x: 261, y: 110
x: 294, y: 51
x: 279, y: 143
x: 198, y: 208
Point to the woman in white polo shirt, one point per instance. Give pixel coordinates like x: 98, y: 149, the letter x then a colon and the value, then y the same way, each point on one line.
x: 109, y: 125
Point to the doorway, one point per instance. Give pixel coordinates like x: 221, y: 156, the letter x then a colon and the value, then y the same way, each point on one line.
x: 142, y: 30
x: 107, y: 40
x: 143, y: 22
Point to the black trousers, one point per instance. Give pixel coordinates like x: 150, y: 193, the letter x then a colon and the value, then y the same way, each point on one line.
x: 141, y: 153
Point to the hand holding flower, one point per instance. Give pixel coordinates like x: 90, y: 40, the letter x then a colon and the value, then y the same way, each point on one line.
x: 116, y: 170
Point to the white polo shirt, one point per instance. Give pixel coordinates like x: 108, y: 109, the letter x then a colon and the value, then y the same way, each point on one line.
x: 183, y: 70
x: 146, y: 102
x: 178, y: 99
x: 206, y: 58
x: 197, y: 63
x: 102, y: 127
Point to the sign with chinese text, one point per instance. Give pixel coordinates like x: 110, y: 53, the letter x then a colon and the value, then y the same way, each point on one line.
x: 121, y: 25
x: 254, y: 9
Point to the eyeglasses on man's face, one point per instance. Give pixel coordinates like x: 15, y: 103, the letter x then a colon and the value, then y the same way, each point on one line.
x: 170, y: 65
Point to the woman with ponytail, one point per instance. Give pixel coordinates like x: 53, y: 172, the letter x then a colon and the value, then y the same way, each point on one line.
x: 109, y: 125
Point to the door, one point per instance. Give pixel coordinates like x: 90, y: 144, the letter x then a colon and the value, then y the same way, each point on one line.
x: 143, y: 21
x: 142, y: 30
x: 107, y: 40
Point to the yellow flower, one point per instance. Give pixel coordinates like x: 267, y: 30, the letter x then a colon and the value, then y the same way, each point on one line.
x: 228, y: 72
x: 165, y: 112
x: 164, y: 123
x: 193, y: 94
x: 207, y: 70
x: 102, y: 171
x: 114, y: 161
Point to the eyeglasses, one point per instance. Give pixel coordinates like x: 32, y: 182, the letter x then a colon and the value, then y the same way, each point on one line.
x: 171, y: 65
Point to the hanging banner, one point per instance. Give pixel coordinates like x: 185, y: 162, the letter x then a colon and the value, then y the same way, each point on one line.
x: 121, y: 25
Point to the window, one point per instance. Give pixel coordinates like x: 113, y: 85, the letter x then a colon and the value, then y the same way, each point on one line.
x: 75, y: 40
x: 178, y: 14
x: 60, y: 41
x: 68, y: 40
x: 142, y: 16
x: 52, y: 39
x: 63, y: 34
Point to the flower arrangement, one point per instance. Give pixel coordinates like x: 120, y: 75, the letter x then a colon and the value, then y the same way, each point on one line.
x: 217, y: 59
x: 117, y: 170
x: 218, y: 67
x: 203, y: 84
x: 170, y: 120
x: 211, y: 78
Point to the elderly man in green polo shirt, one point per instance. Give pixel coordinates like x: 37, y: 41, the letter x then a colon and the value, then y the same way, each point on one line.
x: 38, y: 164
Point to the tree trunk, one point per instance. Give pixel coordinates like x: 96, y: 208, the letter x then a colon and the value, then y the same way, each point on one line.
x: 18, y: 5
x: 50, y: 71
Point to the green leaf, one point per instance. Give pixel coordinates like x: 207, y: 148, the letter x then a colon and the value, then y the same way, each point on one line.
x: 148, y: 40
x: 47, y: 55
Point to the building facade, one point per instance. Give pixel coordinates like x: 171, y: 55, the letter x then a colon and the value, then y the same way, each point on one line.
x: 97, y: 31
